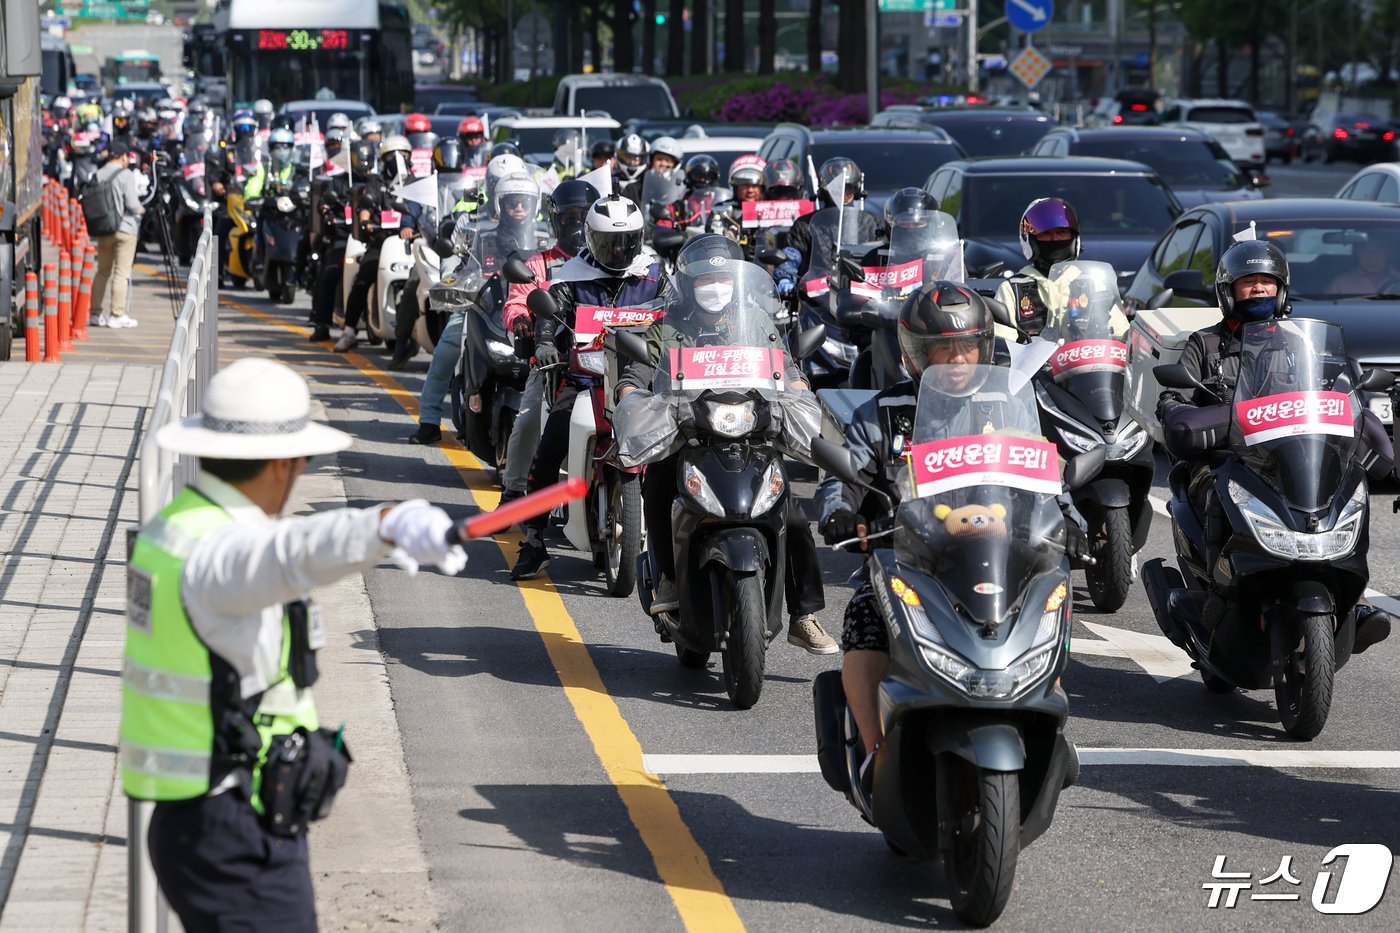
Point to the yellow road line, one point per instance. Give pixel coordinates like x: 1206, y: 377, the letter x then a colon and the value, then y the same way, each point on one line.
x: 682, y: 865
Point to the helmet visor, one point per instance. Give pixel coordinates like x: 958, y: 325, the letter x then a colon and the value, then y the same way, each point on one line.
x: 615, y: 251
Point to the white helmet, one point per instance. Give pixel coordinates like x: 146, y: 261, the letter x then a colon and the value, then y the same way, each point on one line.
x: 613, y: 232
x: 262, y: 107
x: 665, y: 145
x: 500, y: 167
x: 338, y: 121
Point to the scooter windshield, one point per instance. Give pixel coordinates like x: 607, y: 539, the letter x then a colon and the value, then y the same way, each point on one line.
x: 661, y: 188
x: 1296, y: 417
x: 496, y: 240
x: 1087, y: 322
x: 980, y: 514
x: 718, y: 334
x: 832, y: 229
x: 931, y: 237
x: 451, y: 188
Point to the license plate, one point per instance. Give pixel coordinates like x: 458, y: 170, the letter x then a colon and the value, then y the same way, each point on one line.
x: 1380, y: 407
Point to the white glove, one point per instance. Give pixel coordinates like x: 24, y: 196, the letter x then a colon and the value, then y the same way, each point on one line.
x: 419, y: 533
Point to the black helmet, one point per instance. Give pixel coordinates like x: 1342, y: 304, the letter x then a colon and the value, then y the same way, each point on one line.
x: 704, y: 248
x: 363, y: 157
x: 855, y: 178
x: 944, y: 313
x: 1049, y: 214
x: 909, y: 206
x: 505, y: 148
x: 1251, y: 257
x: 701, y: 171
x: 568, y: 206
x: 782, y: 180
x: 447, y: 155
x: 602, y: 149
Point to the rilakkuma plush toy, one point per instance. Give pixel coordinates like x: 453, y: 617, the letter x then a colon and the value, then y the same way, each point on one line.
x: 973, y: 521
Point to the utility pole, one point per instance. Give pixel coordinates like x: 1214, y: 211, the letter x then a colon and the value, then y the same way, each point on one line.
x: 872, y: 57
x: 971, y: 46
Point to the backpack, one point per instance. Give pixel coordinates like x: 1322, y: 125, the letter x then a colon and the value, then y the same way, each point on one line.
x: 100, y: 208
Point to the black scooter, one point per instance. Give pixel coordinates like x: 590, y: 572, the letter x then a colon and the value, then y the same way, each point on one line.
x: 973, y: 756
x: 489, y: 370
x: 1285, y: 553
x: 283, y: 218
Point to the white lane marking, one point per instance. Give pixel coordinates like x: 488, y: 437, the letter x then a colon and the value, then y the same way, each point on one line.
x: 1095, y: 757
x: 1155, y: 654
x: 1158, y: 505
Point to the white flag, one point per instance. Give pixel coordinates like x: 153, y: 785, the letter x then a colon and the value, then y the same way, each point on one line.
x: 837, y: 190
x: 423, y: 191
x: 548, y: 181
x: 1246, y: 234
x: 600, y: 178
x: 341, y: 159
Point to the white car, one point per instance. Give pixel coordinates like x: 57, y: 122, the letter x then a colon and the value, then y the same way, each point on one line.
x: 1233, y: 123
x: 725, y: 149
x: 1379, y: 183
x: 535, y: 135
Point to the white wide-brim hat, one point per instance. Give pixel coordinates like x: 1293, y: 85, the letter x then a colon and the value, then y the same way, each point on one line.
x: 255, y: 409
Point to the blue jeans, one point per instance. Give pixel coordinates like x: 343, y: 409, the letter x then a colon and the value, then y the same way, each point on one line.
x: 445, y: 355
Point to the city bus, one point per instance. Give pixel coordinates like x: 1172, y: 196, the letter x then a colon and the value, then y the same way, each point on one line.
x: 317, y: 49
x: 134, y: 65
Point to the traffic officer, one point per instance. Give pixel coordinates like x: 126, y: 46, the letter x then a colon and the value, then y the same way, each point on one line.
x: 219, y: 727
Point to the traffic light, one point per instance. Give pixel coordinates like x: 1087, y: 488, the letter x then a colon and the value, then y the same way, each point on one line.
x: 661, y: 19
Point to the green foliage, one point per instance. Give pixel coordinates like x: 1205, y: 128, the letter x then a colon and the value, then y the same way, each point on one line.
x: 536, y: 93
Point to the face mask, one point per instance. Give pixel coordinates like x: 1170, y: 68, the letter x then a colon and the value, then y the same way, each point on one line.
x: 715, y: 297
x: 1256, y: 309
x: 1056, y: 251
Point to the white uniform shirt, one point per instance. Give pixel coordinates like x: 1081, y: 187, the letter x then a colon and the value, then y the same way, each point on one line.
x: 238, y: 577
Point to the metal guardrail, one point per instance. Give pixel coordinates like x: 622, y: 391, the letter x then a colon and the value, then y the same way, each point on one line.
x: 193, y: 358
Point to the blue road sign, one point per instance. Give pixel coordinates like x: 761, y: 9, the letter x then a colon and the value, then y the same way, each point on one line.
x: 1030, y: 15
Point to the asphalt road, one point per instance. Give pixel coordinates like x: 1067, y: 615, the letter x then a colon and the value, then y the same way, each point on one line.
x: 526, y: 709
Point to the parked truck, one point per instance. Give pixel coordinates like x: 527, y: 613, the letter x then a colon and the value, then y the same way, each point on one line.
x: 21, y: 159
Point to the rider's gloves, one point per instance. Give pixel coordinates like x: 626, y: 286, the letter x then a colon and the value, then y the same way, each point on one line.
x: 419, y: 531
x: 546, y: 354
x: 841, y: 526
x: 1076, y: 542
x: 785, y: 287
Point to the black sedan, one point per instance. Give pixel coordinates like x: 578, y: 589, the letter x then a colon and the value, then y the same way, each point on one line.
x: 1343, y: 259
x: 1358, y: 137
x: 1192, y: 164
x: 1122, y: 207
x: 981, y: 131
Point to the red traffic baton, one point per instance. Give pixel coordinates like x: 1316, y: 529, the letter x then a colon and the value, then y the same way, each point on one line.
x: 512, y: 513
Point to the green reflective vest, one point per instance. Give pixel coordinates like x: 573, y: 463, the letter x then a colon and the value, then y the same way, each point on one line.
x: 258, y: 181
x: 167, y: 725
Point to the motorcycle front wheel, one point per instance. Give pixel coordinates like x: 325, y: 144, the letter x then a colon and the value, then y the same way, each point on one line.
x: 1111, y: 576
x: 745, y: 645
x: 621, y: 514
x: 986, y: 841
x: 1304, y: 691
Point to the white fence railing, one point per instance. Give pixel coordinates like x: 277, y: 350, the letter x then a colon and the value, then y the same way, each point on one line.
x: 192, y: 359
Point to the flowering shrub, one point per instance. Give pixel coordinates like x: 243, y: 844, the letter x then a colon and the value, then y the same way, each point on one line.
x: 816, y: 104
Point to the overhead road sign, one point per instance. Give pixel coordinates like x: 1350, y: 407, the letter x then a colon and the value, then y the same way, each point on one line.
x: 1030, y: 15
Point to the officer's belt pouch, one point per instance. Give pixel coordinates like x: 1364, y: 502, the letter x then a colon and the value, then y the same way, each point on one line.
x: 1189, y: 432
x: 303, y: 773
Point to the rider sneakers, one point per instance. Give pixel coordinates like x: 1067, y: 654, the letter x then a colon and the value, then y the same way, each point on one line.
x: 533, y: 559
x: 1372, y: 627
x: 807, y: 633
x: 349, y: 339
x: 666, y: 598
x: 426, y: 434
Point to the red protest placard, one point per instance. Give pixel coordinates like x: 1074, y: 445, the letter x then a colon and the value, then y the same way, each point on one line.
x: 474, y: 172
x: 1089, y: 356
x: 421, y: 161
x: 904, y: 277
x: 589, y: 320
x: 774, y: 213
x: 193, y: 170
x: 1290, y: 414
x: 698, y: 368
x: 986, y: 460
x: 390, y: 220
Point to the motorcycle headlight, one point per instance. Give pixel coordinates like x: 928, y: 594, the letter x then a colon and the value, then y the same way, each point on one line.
x: 772, y: 487
x: 285, y: 204
x: 1131, y: 439
x: 1282, y: 541
x: 400, y: 268
x: 593, y: 361
x: 990, y: 685
x: 1080, y: 442
x: 733, y: 419
x: 500, y: 349
x: 699, y: 490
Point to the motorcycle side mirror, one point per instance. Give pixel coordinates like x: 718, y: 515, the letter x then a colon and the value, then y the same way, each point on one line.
x: 1189, y: 283
x: 542, y: 304
x: 632, y: 346
x: 993, y: 269
x: 658, y: 211
x: 772, y: 257
x: 808, y: 341
x: 1161, y: 299
x: 1084, y: 468
x: 443, y: 247
x: 1376, y: 380
x: 517, y: 273
x: 835, y: 459
x: 1175, y: 376
x: 851, y: 269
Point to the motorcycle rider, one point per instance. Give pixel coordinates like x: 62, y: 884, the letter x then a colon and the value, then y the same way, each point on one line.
x: 603, y: 154
x: 280, y: 146
x: 262, y: 112
x: 801, y: 243
x: 336, y: 195
x: 566, y: 155
x: 471, y: 133
x: 419, y: 130
x: 567, y: 207
x: 368, y: 129
x: 1251, y: 285
x: 376, y: 205
x: 628, y: 166
x: 612, y: 271
x: 1049, y: 234
x: 943, y: 323
x: 704, y: 286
